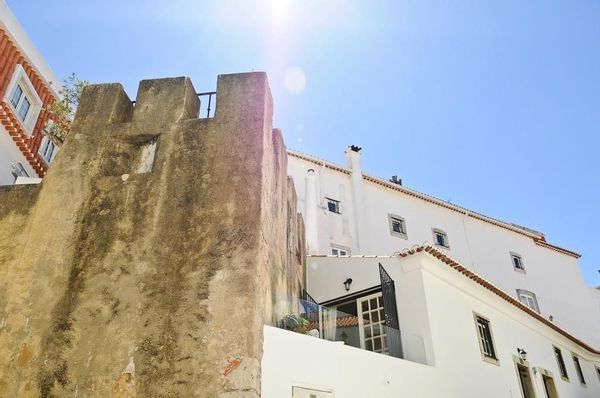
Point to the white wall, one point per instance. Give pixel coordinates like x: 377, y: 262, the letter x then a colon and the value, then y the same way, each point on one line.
x: 554, y: 277
x: 9, y: 152
x: 441, y: 304
x: 9, y: 22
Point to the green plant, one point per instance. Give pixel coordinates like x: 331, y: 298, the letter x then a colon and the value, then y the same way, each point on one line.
x: 62, y: 111
x: 294, y: 322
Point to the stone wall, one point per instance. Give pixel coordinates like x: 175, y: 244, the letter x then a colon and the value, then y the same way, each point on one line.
x: 154, y: 251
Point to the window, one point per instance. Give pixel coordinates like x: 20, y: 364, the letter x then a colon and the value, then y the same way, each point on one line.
x: 598, y: 373
x: 20, y: 102
x: 528, y: 298
x: 486, y: 342
x: 24, y: 108
x: 333, y: 205
x: 578, y: 369
x: 16, y: 96
x: 48, y: 150
x: 338, y: 251
x: 440, y: 238
x: 517, y: 262
x: 371, y: 320
x: 561, y: 363
x: 397, y: 226
x: 23, y: 99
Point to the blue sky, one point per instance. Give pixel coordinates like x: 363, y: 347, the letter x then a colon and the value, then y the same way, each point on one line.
x: 493, y: 105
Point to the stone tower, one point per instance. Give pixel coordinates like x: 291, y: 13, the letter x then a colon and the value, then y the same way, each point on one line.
x: 155, y: 249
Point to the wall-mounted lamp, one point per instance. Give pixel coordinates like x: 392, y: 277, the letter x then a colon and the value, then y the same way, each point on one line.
x: 347, y: 283
x: 522, y: 354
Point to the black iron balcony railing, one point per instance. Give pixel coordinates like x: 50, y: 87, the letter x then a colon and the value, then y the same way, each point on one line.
x: 208, y: 94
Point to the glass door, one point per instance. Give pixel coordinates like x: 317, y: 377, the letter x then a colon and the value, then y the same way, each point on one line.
x: 371, y: 321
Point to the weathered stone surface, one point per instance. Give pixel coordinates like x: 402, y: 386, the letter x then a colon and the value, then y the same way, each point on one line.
x: 120, y: 283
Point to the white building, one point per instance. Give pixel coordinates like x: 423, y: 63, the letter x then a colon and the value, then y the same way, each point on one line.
x: 27, y: 86
x: 472, y: 294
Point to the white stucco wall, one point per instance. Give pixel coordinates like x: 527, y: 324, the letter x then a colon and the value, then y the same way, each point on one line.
x: 554, y: 277
x: 440, y: 304
x: 11, y: 25
x: 10, y: 153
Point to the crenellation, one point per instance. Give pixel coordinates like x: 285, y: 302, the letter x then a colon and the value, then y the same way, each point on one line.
x: 167, y: 251
x: 161, y: 102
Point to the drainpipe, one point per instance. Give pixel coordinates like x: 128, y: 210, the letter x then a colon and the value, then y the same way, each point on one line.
x: 311, y: 202
x: 356, y: 181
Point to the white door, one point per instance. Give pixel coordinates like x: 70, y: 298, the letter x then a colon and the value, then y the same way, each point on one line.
x: 301, y: 392
x: 371, y: 323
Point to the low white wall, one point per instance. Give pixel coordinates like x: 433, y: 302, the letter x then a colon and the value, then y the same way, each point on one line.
x: 292, y: 359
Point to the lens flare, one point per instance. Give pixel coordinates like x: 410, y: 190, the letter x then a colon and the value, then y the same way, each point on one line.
x: 294, y: 80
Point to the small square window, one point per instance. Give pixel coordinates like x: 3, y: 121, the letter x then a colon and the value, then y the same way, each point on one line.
x: 517, y: 262
x: 440, y: 238
x: 333, y: 205
x: 397, y: 226
x: 561, y: 363
x: 486, y: 341
x: 578, y: 369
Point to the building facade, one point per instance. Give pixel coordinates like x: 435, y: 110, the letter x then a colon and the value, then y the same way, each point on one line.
x: 27, y: 87
x: 350, y: 212
x: 466, y: 305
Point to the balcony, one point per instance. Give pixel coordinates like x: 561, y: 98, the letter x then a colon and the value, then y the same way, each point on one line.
x: 365, y: 328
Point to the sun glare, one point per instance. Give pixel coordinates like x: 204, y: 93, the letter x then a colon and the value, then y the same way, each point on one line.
x: 280, y: 10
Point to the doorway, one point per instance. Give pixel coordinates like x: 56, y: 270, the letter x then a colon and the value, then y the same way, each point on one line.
x: 371, y: 322
x: 525, y: 381
x: 549, y: 387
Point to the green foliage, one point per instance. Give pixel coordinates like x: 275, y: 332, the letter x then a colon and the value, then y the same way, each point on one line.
x: 295, y: 323
x: 62, y: 112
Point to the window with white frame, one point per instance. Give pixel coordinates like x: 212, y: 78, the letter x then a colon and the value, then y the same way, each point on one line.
x: 529, y: 299
x: 440, y: 238
x: 517, y: 261
x: 397, y: 226
x: 486, y: 340
x: 340, y: 251
x: 23, y: 99
x: 48, y: 150
x: 578, y: 369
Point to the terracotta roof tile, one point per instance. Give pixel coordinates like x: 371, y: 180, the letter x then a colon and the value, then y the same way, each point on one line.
x: 497, y: 291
